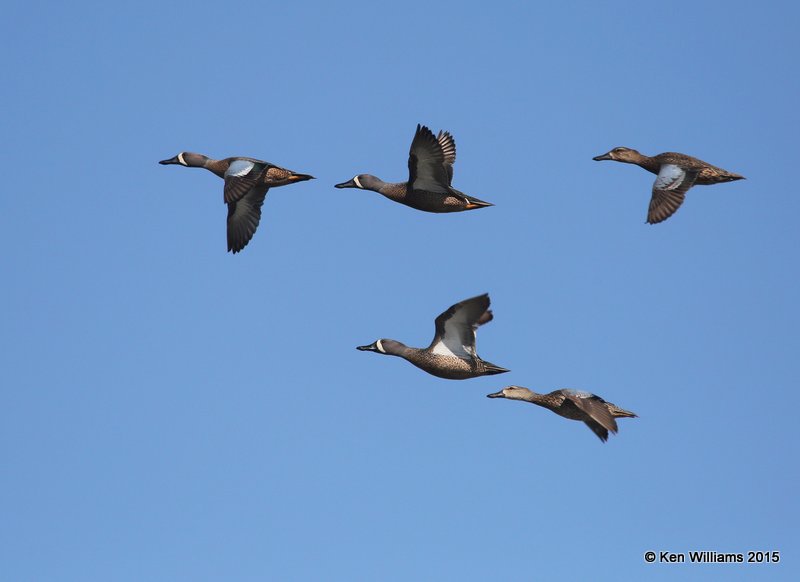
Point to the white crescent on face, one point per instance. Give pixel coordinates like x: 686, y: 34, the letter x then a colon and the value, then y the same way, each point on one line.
x: 358, y: 183
x: 181, y: 160
x: 378, y: 343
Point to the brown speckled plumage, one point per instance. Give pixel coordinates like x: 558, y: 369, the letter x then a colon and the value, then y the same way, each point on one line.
x: 676, y: 173
x: 449, y: 367
x: 430, y: 168
x: 588, y: 408
x: 247, y: 181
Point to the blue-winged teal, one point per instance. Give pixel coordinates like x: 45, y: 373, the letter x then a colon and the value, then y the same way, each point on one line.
x: 246, y: 183
x: 430, y: 172
x: 676, y: 173
x: 594, y: 411
x: 452, y: 352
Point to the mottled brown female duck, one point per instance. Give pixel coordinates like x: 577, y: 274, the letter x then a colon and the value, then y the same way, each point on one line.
x: 246, y: 183
x: 430, y: 172
x: 594, y: 411
x: 675, y: 174
x: 452, y: 352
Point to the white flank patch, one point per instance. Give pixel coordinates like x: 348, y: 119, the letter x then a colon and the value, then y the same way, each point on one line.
x: 440, y: 349
x: 181, y: 160
x: 358, y: 183
x: 379, y: 345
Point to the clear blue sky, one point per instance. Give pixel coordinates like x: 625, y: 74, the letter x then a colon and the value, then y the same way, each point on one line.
x: 173, y: 412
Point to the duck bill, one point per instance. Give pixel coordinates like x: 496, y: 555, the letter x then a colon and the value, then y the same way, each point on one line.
x: 174, y: 160
x: 369, y: 348
x: 348, y: 184
x: 496, y: 395
x: 603, y: 157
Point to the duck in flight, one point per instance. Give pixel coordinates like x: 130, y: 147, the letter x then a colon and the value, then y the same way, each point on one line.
x: 246, y: 183
x: 675, y: 174
x: 598, y: 414
x: 430, y: 173
x: 452, y: 352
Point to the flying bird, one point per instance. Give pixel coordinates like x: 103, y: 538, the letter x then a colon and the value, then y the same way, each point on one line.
x: 598, y: 414
x: 430, y: 173
x: 675, y: 174
x: 246, y: 183
x: 452, y: 352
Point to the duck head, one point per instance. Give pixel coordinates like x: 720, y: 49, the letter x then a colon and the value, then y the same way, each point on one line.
x: 384, y: 346
x: 363, y: 182
x: 619, y: 154
x: 376, y: 346
x: 512, y: 393
x: 188, y: 159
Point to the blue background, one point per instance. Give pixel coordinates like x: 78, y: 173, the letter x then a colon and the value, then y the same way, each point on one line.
x: 173, y: 412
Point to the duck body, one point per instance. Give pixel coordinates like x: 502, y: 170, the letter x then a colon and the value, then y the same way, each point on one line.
x: 247, y: 181
x: 707, y: 174
x: 451, y: 354
x: 430, y: 167
x: 586, y: 407
x: 452, y: 201
x: 675, y: 174
x: 439, y: 365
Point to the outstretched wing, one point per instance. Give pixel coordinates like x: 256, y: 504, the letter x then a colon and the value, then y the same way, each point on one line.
x: 455, y: 328
x: 243, y: 218
x: 669, y: 190
x: 427, y: 163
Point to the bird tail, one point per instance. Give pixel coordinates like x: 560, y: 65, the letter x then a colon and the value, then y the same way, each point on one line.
x: 618, y: 412
x: 490, y: 369
x: 731, y: 177
x: 300, y: 177
x: 473, y: 202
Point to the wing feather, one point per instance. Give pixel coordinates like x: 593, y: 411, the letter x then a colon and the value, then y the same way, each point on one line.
x: 669, y: 190
x: 456, y: 327
x: 597, y: 411
x: 244, y: 216
x: 427, y: 165
x: 240, y: 177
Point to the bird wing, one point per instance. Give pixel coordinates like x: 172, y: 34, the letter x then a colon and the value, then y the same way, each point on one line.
x: 240, y: 177
x: 427, y: 166
x: 595, y: 407
x: 243, y: 217
x: 597, y: 429
x: 669, y: 190
x: 448, y: 145
x: 455, y: 328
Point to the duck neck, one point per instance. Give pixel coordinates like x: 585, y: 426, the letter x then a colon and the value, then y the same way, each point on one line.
x: 643, y: 161
x: 544, y: 400
x: 534, y: 398
x: 217, y: 167
x: 395, y: 192
x: 395, y: 348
